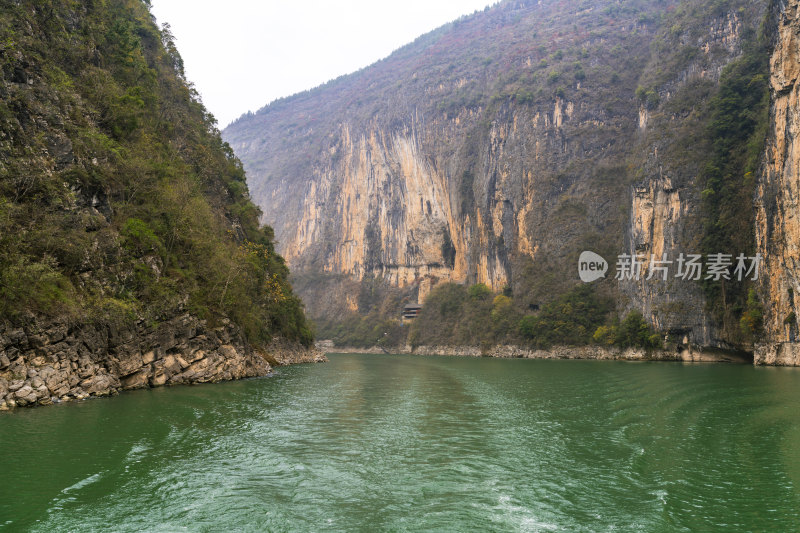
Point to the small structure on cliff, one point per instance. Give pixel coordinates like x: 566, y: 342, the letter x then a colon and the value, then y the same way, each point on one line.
x: 410, y: 311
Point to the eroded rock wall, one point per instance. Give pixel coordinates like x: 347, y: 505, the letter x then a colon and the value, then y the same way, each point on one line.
x: 659, y: 222
x: 777, y: 208
x: 387, y: 207
x: 45, y: 364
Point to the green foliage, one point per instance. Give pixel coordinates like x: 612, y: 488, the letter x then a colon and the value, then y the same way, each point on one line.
x: 648, y: 97
x: 479, y: 291
x: 454, y: 314
x: 632, y: 332
x: 140, y: 238
x: 458, y: 315
x: 504, y: 316
x: 32, y: 286
x: 751, y: 321
x: 605, y: 335
x: 119, y: 201
x: 569, y: 320
x: 364, y: 331
x: 523, y: 96
x: 737, y: 129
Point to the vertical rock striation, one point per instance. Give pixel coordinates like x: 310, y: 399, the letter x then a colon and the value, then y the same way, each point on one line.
x: 778, y: 212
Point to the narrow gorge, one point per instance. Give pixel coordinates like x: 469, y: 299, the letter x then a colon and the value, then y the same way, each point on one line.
x: 494, y: 150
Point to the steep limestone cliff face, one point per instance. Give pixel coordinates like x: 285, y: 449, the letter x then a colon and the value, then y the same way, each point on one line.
x: 671, y: 150
x: 427, y: 168
x: 389, y: 211
x: 498, y: 148
x: 777, y: 222
x: 660, y: 214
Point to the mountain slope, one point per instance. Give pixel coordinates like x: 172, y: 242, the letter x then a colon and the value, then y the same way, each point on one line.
x: 125, y: 221
x: 499, y: 147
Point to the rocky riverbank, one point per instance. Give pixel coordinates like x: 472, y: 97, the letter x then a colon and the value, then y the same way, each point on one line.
x: 687, y: 354
x: 51, y: 363
x: 281, y: 352
x: 778, y: 354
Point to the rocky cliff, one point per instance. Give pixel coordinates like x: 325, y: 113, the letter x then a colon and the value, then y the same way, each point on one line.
x: 55, y: 364
x: 43, y: 364
x: 497, y: 148
x: 457, y: 158
x: 777, y: 223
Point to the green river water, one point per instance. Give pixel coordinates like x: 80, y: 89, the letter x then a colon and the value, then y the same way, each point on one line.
x: 405, y: 443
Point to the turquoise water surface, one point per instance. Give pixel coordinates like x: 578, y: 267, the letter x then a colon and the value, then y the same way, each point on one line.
x: 406, y: 443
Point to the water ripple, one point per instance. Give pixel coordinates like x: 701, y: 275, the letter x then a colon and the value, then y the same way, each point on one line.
x: 381, y: 443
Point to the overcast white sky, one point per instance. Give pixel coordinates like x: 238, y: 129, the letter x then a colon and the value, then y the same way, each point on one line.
x: 242, y: 54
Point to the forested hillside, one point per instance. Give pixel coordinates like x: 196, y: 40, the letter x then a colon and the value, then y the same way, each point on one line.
x: 119, y: 198
x: 121, y: 208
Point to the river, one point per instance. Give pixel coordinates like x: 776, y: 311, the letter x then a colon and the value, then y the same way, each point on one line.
x: 408, y: 443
